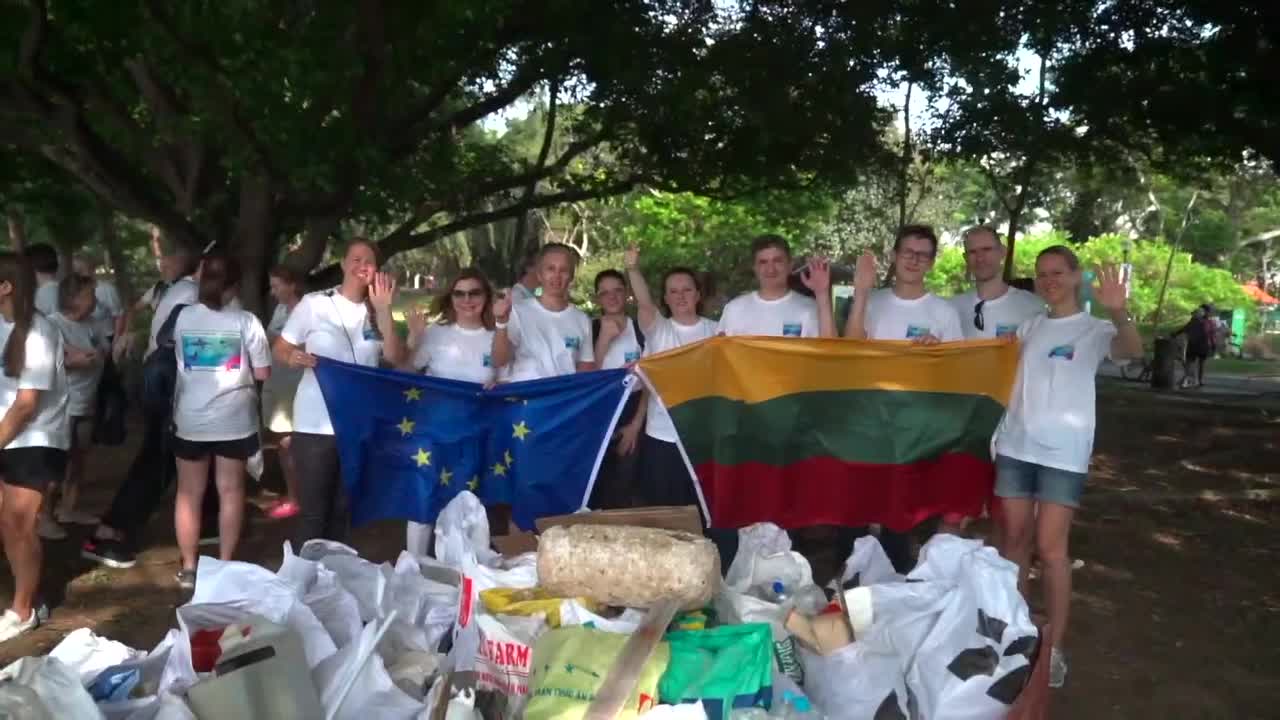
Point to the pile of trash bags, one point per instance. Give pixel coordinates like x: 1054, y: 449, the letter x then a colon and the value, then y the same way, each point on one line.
x: 471, y: 634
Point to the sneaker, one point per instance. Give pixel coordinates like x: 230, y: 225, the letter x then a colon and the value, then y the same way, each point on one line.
x: 111, y: 553
x: 186, y: 579
x: 282, y: 510
x: 207, y: 540
x: 50, y: 530
x: 1057, y: 668
x: 76, y: 517
x: 11, y: 626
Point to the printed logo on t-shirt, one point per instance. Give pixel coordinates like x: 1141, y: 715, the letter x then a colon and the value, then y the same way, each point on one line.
x: 1006, y: 330
x: 573, y: 343
x: 915, y: 331
x: 487, y: 360
x: 211, y: 351
x: 631, y: 356
x: 371, y: 333
x: 1067, y: 352
x: 791, y: 329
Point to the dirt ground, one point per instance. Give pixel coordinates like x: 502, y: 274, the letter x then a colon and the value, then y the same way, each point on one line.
x: 1176, y: 611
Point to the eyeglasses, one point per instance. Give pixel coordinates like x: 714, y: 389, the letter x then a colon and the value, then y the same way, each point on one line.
x: 464, y: 294
x: 978, y: 322
x: 915, y: 255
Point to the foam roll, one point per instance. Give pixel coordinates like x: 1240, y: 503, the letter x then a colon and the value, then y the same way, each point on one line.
x: 628, y: 566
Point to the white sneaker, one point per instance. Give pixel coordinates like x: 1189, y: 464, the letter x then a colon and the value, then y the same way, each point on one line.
x: 50, y: 530
x: 1057, y: 668
x: 11, y: 626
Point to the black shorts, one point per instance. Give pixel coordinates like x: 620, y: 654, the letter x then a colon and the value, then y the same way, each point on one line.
x: 241, y: 449
x: 33, y: 467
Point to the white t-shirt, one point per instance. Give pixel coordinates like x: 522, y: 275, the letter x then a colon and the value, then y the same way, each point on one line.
x: 47, y: 297
x: 667, y: 334
x: 45, y: 371
x: 792, y: 315
x: 456, y: 353
x: 520, y: 292
x: 153, y: 294
x: 889, y: 317
x: 217, y: 350
x: 624, y: 350
x: 1001, y: 316
x: 278, y: 318
x: 182, y: 292
x: 108, y: 308
x: 82, y: 383
x: 327, y: 324
x: 1051, y: 414
x: 548, y: 343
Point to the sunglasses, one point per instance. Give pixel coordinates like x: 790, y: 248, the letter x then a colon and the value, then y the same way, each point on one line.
x: 464, y: 294
x: 978, y: 322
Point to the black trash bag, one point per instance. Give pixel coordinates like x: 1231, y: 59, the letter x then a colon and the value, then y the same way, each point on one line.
x: 111, y: 414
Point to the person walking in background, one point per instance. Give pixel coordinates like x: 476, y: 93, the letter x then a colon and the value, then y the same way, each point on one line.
x: 44, y: 261
x: 33, y: 435
x: 352, y: 323
x: 1045, y: 440
x: 457, y: 346
x: 526, y: 288
x: 544, y: 336
x: 85, y: 353
x: 618, y: 343
x: 220, y: 352
x: 1199, y: 344
x: 280, y: 387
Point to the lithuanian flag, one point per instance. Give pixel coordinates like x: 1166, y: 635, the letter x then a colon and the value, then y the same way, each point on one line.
x: 831, y: 431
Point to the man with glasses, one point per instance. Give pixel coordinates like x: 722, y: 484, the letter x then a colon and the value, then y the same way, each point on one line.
x: 992, y: 308
x: 905, y: 311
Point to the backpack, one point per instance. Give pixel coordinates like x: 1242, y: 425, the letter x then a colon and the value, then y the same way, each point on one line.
x: 595, y: 332
x: 160, y: 369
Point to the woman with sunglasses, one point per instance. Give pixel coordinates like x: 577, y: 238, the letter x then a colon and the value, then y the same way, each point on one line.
x: 457, y: 346
x: 1045, y: 440
x: 618, y: 342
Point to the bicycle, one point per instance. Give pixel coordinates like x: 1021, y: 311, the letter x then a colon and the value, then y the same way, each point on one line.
x: 1140, y: 370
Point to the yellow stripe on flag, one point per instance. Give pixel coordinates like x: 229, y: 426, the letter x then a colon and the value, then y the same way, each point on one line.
x: 757, y: 369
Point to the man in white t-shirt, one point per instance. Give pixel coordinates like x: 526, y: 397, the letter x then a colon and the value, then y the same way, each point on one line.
x: 527, y: 287
x: 906, y: 311
x: 108, y: 312
x: 544, y: 336
x: 992, y: 308
x: 773, y: 309
x: 44, y: 260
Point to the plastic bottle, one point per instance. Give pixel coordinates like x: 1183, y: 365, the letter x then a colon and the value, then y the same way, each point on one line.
x: 811, y: 600
x: 795, y: 707
x: 774, y: 592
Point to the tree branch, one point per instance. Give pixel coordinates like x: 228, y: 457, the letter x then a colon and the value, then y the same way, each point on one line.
x: 522, y: 220
x: 33, y: 39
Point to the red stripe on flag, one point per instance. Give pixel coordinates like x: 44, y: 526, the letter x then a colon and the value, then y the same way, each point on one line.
x: 827, y: 491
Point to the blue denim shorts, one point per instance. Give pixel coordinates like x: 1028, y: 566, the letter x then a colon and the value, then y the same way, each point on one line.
x: 1020, y: 479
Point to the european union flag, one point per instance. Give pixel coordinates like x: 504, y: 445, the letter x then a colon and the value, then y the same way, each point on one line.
x: 410, y: 443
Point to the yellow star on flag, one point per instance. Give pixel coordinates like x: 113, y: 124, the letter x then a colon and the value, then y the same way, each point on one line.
x: 423, y: 457
x: 506, y: 457
x: 473, y: 483
x: 499, y: 469
x: 413, y: 394
x: 406, y: 427
x: 520, y: 430
x: 445, y: 476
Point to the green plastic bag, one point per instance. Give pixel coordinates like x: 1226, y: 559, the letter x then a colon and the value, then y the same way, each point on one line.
x: 726, y: 667
x: 570, y: 664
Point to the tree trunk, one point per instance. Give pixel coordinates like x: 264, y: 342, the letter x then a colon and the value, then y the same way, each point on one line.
x: 255, y: 243
x: 904, y: 170
x: 115, y: 255
x: 1168, y: 266
x: 17, y: 232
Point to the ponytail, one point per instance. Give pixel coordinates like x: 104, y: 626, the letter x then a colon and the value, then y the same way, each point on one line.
x: 16, y: 270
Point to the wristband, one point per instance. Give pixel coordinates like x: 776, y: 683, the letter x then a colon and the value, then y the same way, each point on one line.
x: 499, y: 325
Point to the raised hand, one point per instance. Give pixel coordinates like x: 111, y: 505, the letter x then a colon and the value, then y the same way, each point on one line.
x: 611, y: 328
x: 416, y: 318
x: 631, y: 258
x: 817, y: 275
x: 926, y: 339
x: 382, y: 291
x: 502, y: 305
x: 865, y: 274
x: 1109, y: 288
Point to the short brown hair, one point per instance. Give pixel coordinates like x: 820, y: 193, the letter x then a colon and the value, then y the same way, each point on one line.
x: 763, y: 242
x: 920, y: 231
x: 558, y: 247
x: 218, y: 273
x: 70, y: 288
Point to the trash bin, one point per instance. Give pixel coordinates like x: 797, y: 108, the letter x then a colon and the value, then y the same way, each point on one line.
x: 1162, y: 363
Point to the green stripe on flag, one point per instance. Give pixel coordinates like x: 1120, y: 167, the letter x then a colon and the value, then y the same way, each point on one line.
x: 889, y: 427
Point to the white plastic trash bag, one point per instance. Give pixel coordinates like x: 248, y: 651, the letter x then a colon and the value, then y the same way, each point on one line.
x: 685, y: 711
x: 365, y: 581
x: 573, y: 613
x: 318, y: 586
x: 462, y: 533
x: 867, y: 565
x: 36, y: 688
x: 118, y: 702
x: 977, y: 657
x: 372, y: 693
x: 87, y: 654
